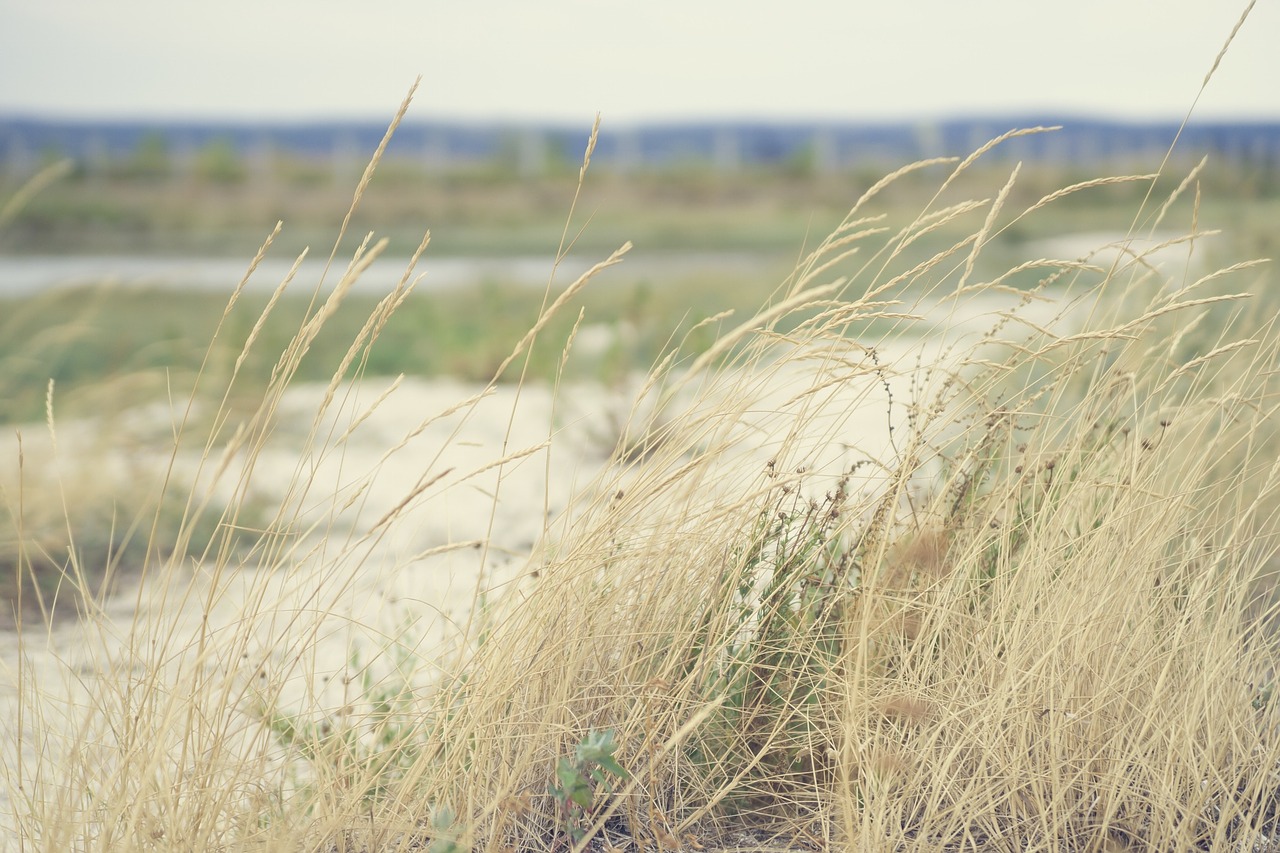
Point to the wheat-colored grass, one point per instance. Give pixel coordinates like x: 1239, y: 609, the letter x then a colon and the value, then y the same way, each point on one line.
x: 1002, y: 579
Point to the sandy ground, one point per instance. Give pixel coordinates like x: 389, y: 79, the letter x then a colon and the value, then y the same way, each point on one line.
x: 464, y: 524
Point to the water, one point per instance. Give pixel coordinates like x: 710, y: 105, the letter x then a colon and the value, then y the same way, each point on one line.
x: 31, y: 275
x: 35, y: 274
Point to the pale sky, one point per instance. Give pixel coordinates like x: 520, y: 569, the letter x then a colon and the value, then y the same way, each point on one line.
x: 565, y: 60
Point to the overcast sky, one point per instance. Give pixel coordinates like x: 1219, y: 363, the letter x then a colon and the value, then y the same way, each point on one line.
x: 634, y: 61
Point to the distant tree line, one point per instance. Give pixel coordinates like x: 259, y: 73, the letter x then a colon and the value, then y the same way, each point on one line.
x: 233, y: 153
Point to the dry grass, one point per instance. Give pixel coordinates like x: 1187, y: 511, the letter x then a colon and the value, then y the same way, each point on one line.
x: 953, y: 589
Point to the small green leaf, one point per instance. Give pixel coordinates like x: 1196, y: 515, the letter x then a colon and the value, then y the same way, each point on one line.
x: 610, y: 764
x: 582, y: 795
x: 567, y: 774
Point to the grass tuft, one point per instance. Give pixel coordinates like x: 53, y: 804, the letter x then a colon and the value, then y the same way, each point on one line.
x: 909, y: 558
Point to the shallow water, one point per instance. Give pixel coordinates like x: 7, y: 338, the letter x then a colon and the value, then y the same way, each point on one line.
x: 30, y: 275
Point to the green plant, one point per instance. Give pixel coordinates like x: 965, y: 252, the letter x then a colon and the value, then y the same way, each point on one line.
x: 584, y: 782
x: 786, y: 590
x: 445, y: 835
